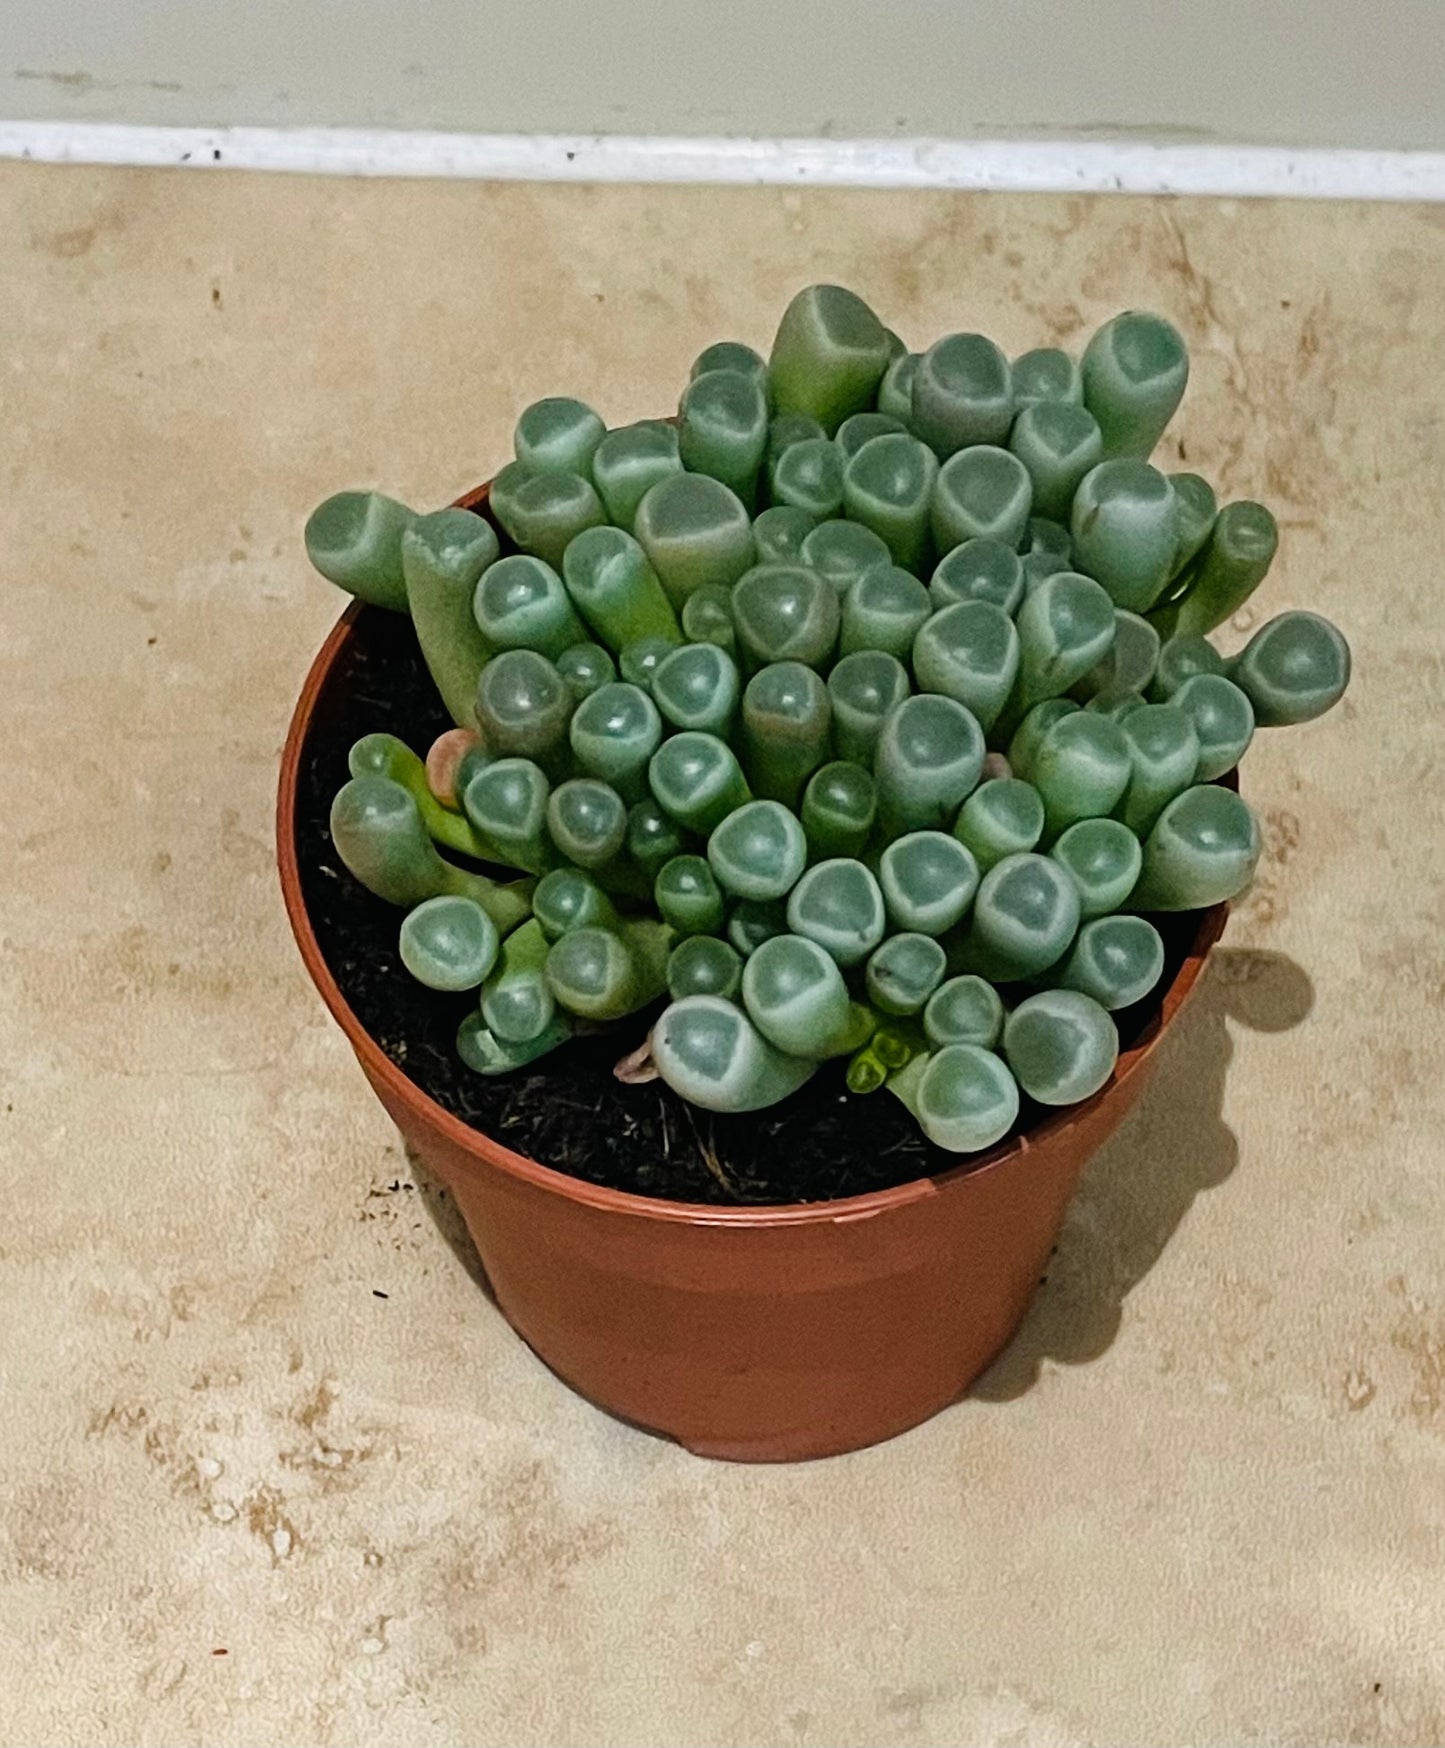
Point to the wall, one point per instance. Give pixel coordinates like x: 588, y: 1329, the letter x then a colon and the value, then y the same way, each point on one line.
x: 1283, y: 72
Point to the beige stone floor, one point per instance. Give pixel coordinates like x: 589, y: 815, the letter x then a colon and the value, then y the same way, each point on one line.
x: 243, y: 1500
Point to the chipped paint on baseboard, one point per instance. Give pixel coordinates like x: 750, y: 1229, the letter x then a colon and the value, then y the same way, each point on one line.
x: 1090, y: 165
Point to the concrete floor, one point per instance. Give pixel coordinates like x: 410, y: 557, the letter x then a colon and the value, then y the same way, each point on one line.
x: 243, y: 1499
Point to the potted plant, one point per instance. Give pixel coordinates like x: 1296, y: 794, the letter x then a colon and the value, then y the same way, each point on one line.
x: 754, y: 854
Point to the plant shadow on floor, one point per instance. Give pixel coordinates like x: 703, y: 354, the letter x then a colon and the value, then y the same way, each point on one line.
x: 446, y: 1216
x: 1136, y: 1190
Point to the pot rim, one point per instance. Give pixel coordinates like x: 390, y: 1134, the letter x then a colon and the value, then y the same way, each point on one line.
x: 379, y: 1068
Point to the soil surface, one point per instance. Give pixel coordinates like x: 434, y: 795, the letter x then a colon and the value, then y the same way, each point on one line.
x: 569, y: 1111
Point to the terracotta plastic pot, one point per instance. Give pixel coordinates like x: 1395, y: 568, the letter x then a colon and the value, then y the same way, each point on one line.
x: 755, y: 1334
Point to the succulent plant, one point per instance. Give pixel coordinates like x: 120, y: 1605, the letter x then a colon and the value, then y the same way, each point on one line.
x: 863, y: 710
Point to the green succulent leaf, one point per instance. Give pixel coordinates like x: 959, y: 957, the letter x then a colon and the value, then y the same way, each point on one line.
x: 1061, y: 1046
x: 964, y: 1098
x: 1134, y: 372
x: 449, y: 943
x: 709, y: 1051
x: 558, y: 435
x: 354, y: 540
x: 828, y: 357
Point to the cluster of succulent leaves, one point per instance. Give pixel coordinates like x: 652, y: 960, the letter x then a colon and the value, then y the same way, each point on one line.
x: 865, y: 709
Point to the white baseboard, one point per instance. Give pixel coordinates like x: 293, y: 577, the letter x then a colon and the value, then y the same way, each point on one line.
x: 1041, y: 166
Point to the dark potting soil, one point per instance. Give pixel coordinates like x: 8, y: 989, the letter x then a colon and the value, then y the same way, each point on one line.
x: 569, y: 1111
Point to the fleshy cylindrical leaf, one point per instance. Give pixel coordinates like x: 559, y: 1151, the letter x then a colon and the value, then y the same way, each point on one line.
x: 785, y: 613
x: 786, y: 723
x: 587, y: 820
x: 840, y: 805
x: 903, y: 972
x: 523, y: 705
x: 384, y: 755
x: 1129, y: 665
x: 520, y: 603
x: 1125, y: 529
x: 964, y: 1010
x: 638, y: 662
x: 613, y: 735
x: 484, y: 1053
x: 795, y: 995
x: 962, y: 395
x: 860, y: 428
x: 354, y: 540
x: 603, y: 974
x: 707, y: 617
x: 1223, y: 720
x: 723, y: 429
x: 730, y: 355
x: 653, y: 836
x: 969, y: 651
x: 558, y: 435
x: 964, y: 1098
x: 543, y: 512
x: 1117, y: 960
x: 696, y: 780
x: 779, y: 534
x: 785, y: 429
x: 828, y: 357
x: 927, y: 760
x: 808, y: 476
x: 1179, y: 659
x: 704, y: 965
x: 1025, y: 917
x: 709, y: 1051
x: 979, y: 570
x: 1003, y: 817
x: 507, y: 803
x: 1029, y: 736
x: 1058, y: 443
x: 928, y: 881
x: 895, y: 392
x: 1065, y: 628
x: 568, y: 899
x: 586, y: 667
x: 1081, y: 769
x: 1164, y: 758
x: 442, y: 556
x: 758, y: 851
x: 1134, y: 370
x: 687, y: 897
x: 694, y: 530
x: 1046, y: 376
x: 697, y: 686
x: 379, y: 834
x: 844, y: 552
x: 615, y: 589
x: 1293, y: 669
x: 1103, y: 858
x: 751, y: 922
x: 884, y: 611
x: 1061, y: 1046
x: 838, y: 904
x: 1241, y: 547
x: 1203, y: 849
x: 517, y: 1005
x: 982, y: 493
x: 888, y: 488
x: 864, y: 689
x: 629, y: 462
x: 449, y: 943
x: 1197, y: 507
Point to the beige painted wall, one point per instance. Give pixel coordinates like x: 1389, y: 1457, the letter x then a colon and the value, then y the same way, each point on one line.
x: 1290, y: 72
